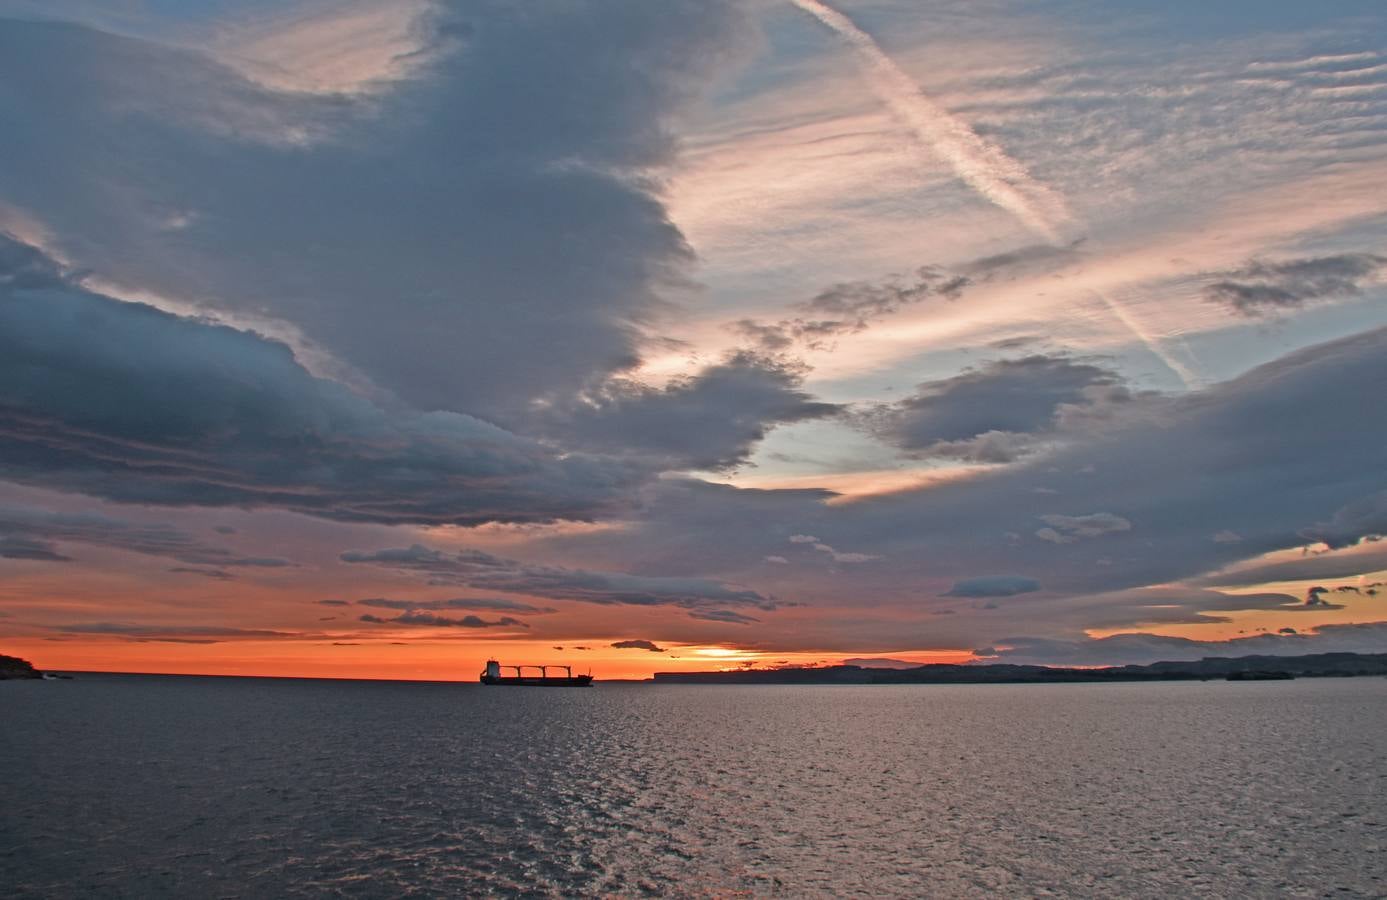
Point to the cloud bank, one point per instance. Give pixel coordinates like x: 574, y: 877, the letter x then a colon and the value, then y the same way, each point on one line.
x: 485, y: 571
x: 1141, y: 649
x: 504, y: 175
x: 130, y: 403
x: 32, y: 534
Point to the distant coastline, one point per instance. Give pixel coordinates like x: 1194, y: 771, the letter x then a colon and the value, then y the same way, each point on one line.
x: 1241, y: 668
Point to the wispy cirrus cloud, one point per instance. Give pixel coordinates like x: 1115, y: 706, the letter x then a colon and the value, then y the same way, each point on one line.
x: 983, y: 165
x: 1294, y: 166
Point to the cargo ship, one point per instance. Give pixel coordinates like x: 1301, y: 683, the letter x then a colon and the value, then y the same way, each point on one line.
x: 493, y: 675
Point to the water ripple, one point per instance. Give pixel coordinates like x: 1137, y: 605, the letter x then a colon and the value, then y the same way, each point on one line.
x: 124, y: 786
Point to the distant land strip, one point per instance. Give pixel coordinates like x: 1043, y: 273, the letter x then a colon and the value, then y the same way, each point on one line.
x: 1241, y: 668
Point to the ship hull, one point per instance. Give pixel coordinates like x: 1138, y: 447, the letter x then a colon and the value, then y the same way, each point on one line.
x: 511, y: 681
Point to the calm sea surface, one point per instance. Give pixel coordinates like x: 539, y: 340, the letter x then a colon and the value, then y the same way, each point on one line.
x: 143, y: 786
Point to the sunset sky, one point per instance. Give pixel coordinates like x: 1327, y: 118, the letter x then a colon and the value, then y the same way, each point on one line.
x: 374, y: 339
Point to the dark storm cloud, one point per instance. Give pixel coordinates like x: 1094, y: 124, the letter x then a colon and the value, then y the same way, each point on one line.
x: 492, y: 604
x: 504, y: 178
x: 436, y: 621
x: 993, y: 586
x: 1148, y: 648
x: 333, y: 602
x: 710, y: 420
x: 1261, y: 287
x: 483, y: 571
x: 39, y: 530
x: 638, y: 645
x: 995, y: 413
x: 126, y: 402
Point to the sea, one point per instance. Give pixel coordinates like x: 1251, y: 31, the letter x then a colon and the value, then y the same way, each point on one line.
x: 159, y: 786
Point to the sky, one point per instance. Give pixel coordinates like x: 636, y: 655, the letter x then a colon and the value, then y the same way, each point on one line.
x: 377, y: 339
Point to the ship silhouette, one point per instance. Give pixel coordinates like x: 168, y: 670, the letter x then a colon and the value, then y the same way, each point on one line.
x: 492, y: 675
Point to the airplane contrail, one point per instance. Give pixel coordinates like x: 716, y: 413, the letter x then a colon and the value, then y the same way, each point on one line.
x: 983, y: 166
x: 1151, y: 342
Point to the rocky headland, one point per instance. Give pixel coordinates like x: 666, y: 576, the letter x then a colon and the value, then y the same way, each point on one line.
x: 12, y: 667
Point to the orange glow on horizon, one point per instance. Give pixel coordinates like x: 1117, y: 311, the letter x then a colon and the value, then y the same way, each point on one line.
x: 421, y: 660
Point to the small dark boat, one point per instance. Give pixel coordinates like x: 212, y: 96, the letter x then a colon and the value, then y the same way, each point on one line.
x: 493, y: 675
